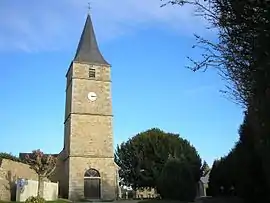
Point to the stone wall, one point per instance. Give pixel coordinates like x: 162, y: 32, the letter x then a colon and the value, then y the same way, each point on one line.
x: 31, y: 188
x: 77, y: 169
x: 9, y: 172
x: 60, y: 174
x: 91, y: 135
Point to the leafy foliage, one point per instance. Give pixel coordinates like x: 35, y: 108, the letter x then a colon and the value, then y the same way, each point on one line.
x: 241, y: 169
x: 176, y: 181
x: 43, y: 165
x: 11, y: 157
x: 33, y: 199
x: 241, y: 57
x: 241, y: 26
x: 143, y: 157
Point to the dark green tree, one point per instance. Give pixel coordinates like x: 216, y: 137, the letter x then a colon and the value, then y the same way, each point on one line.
x: 176, y: 181
x: 232, y: 53
x: 143, y: 157
x: 214, y: 185
x: 240, y: 170
x: 241, y: 56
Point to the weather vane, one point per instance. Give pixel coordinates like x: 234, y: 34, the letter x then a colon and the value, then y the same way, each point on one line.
x: 89, y: 7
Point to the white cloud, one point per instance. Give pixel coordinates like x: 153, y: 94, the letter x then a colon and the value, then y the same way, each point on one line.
x: 32, y: 25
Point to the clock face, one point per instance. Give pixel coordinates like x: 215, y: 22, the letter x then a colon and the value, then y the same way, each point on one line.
x: 92, y: 96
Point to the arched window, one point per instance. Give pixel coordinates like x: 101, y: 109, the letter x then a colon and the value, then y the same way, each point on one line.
x: 91, y: 173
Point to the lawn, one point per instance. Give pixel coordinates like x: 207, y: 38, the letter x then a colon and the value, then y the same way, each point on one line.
x: 57, y: 201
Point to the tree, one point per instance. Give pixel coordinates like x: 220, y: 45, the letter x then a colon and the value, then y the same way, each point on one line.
x: 241, y: 56
x: 176, y: 180
x: 142, y: 157
x: 9, y: 156
x: 43, y: 165
x: 241, y: 169
x: 237, y: 24
x: 214, y: 185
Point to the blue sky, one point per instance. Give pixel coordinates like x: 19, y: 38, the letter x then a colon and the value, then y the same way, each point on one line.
x: 147, y: 47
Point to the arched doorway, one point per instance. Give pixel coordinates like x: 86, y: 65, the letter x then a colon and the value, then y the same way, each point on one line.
x: 92, y: 184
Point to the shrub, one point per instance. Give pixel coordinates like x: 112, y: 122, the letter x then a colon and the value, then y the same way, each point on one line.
x: 33, y: 199
x: 177, y: 181
x: 8, y: 156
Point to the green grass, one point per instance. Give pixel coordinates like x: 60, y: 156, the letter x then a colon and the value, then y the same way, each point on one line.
x: 57, y: 201
x: 60, y: 201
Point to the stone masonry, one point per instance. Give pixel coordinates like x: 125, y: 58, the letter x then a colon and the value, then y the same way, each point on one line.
x: 88, y: 130
x: 88, y: 133
x: 9, y: 172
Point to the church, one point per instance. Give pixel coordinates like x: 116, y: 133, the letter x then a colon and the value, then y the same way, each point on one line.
x: 86, y: 167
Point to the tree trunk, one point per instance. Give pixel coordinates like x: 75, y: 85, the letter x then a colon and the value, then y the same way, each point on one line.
x: 40, y: 186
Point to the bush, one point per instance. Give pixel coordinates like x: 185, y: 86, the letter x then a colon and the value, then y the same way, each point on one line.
x: 35, y: 200
x: 8, y: 156
x: 177, y: 181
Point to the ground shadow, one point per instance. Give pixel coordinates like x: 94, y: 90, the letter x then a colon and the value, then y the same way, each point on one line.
x: 11, y: 185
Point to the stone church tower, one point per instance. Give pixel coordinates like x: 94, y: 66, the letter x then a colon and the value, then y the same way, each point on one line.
x: 88, y: 157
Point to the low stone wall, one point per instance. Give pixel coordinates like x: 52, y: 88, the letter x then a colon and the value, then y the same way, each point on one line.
x: 9, y: 172
x: 30, y: 188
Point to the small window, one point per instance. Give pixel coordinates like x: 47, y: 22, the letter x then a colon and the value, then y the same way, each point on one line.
x: 92, y: 73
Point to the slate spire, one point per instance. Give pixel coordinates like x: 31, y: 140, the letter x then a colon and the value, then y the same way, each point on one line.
x: 88, y: 51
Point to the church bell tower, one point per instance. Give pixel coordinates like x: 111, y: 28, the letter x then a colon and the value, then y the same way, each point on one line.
x: 88, y: 133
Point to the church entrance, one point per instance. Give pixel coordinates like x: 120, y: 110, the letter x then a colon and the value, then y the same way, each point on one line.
x: 92, y: 184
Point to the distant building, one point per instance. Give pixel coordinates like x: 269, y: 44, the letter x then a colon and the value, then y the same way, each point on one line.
x: 203, y: 184
x: 146, y: 193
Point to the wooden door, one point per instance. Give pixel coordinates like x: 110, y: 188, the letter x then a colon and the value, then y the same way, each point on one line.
x: 92, y: 188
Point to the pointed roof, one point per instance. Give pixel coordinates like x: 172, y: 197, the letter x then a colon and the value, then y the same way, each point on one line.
x: 88, y: 51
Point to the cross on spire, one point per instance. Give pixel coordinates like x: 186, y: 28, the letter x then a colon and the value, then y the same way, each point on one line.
x: 89, y: 7
x: 88, y: 51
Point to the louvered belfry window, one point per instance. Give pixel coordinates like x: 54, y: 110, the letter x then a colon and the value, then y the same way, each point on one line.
x: 92, y: 73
